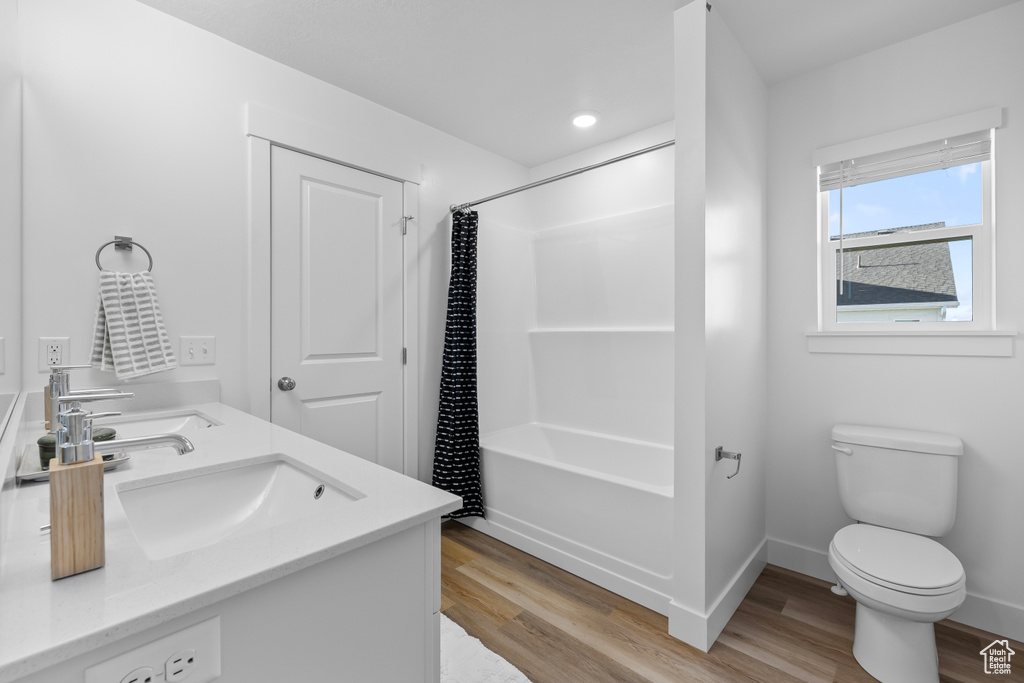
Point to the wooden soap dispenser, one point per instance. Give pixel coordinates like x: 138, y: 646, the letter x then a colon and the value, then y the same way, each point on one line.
x: 77, y: 539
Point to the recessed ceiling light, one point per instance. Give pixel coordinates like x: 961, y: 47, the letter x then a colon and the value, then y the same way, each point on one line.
x: 585, y: 118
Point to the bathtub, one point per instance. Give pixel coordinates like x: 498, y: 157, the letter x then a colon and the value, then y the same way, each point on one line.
x: 597, y: 506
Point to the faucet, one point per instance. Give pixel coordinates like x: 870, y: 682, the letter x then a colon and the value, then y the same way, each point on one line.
x: 60, y: 385
x: 139, y: 443
x: 74, y: 439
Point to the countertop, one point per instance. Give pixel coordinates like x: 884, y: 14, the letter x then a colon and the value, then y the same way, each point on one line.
x: 43, y: 622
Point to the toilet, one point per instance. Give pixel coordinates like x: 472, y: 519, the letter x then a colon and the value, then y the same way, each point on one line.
x: 900, y: 486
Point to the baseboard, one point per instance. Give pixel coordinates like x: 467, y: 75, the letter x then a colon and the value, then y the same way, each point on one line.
x: 730, y: 599
x: 995, y: 616
x: 988, y: 614
x: 702, y: 630
x: 688, y: 626
x: 800, y: 559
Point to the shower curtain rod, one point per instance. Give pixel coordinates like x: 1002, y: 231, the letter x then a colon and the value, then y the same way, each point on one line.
x: 568, y: 174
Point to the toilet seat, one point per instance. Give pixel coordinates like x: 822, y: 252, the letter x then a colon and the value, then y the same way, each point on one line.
x: 898, y: 560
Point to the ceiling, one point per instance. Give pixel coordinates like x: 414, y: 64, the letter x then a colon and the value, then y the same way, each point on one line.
x: 506, y: 75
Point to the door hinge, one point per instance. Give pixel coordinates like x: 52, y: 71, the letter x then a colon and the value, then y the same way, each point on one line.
x: 405, y: 223
x: 405, y: 356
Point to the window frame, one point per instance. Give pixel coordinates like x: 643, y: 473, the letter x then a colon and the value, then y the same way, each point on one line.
x: 982, y: 267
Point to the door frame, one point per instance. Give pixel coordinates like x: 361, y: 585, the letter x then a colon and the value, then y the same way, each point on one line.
x: 266, y: 128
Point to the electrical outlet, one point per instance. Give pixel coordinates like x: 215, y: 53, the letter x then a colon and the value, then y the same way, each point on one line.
x: 198, y: 351
x: 144, y: 674
x: 191, y: 655
x: 180, y: 665
x: 54, y: 351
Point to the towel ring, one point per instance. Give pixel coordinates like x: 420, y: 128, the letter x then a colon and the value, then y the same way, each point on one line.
x: 122, y: 243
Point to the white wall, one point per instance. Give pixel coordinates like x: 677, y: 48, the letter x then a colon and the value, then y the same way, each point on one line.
x: 721, y: 364
x: 134, y: 124
x: 10, y: 198
x: 687, y: 615
x: 735, y: 301
x: 965, y: 67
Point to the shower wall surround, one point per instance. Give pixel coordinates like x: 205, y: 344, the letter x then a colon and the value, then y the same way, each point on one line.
x: 577, y: 387
x: 602, y: 348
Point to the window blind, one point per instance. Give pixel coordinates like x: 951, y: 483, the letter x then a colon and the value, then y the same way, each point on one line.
x: 956, y: 151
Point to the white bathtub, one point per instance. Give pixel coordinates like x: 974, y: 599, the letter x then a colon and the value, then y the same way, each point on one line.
x: 597, y: 506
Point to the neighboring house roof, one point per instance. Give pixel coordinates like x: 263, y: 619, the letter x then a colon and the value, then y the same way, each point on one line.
x: 920, y: 272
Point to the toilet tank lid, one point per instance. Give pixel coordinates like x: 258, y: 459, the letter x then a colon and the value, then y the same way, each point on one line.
x: 899, y: 439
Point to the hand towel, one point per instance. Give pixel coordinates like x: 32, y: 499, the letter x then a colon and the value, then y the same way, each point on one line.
x: 130, y: 337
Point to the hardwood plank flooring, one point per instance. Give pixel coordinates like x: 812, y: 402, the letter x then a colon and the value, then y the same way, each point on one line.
x: 558, y: 628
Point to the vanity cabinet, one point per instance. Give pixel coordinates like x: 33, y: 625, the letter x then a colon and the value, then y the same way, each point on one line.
x: 368, y: 615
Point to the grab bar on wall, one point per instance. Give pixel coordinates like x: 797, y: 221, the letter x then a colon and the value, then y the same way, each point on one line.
x: 726, y: 455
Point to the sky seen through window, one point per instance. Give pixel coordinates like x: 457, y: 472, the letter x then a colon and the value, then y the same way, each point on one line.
x: 952, y: 196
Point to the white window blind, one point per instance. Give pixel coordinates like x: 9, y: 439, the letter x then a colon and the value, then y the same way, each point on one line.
x: 955, y: 151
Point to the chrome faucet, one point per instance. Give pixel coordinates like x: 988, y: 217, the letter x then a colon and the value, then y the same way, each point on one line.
x: 60, y: 385
x: 74, y: 439
x: 141, y: 443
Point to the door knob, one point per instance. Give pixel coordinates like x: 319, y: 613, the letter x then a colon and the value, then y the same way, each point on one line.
x: 286, y: 384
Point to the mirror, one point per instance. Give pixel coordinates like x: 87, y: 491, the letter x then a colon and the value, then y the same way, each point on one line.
x: 10, y: 205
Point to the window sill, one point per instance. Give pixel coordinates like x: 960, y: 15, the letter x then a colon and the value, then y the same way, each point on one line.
x: 997, y: 343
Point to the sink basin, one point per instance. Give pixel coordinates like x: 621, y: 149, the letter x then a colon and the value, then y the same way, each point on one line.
x: 175, y: 513
x: 185, y: 422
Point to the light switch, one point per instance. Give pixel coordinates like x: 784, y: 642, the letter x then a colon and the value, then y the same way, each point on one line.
x: 198, y: 351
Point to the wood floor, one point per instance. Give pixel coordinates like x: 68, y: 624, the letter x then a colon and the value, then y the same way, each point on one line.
x: 558, y: 628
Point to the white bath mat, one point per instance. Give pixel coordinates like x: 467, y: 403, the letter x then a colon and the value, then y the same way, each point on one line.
x: 464, y: 659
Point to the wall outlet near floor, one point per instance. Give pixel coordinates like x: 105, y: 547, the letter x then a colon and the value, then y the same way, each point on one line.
x: 198, y: 351
x: 192, y: 655
x: 54, y: 351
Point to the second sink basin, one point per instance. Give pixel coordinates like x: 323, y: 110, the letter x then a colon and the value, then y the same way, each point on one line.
x: 172, y: 514
x: 184, y: 422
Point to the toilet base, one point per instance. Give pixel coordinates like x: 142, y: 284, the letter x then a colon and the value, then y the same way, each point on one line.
x: 895, y: 650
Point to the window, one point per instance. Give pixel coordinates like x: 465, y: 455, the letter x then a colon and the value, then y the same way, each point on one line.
x: 906, y: 238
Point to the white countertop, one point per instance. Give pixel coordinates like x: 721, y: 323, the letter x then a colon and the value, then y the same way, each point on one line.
x: 43, y: 622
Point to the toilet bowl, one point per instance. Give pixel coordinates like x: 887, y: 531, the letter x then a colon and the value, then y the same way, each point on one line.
x: 903, y: 583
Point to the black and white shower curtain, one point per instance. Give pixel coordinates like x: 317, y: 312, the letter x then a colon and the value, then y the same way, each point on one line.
x: 457, y: 444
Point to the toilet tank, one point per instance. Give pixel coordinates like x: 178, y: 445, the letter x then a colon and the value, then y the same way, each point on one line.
x: 898, y: 478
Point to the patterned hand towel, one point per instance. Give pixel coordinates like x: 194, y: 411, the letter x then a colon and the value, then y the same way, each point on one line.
x: 130, y: 337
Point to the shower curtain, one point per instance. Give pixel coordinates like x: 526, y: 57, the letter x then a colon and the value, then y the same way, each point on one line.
x: 457, y: 443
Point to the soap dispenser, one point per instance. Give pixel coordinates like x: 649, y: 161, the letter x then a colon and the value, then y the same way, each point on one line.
x: 60, y: 385
x: 77, y: 539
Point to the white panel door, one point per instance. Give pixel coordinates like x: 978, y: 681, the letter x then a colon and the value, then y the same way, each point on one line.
x: 336, y: 305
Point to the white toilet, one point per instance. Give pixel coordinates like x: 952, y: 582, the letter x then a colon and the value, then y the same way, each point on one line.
x: 900, y: 486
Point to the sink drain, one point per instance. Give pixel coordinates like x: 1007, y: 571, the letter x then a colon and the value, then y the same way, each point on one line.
x: 318, y: 492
